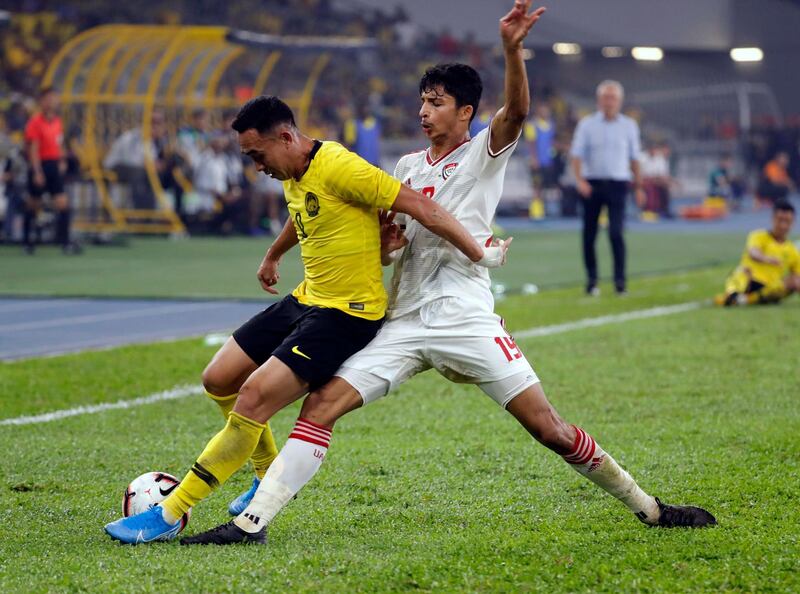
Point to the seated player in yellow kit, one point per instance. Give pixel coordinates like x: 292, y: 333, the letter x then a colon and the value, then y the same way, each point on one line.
x: 297, y: 344
x: 770, y: 266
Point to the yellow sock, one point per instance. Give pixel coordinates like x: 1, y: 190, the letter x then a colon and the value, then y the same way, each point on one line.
x: 224, y: 454
x: 266, y: 450
x: 225, y: 403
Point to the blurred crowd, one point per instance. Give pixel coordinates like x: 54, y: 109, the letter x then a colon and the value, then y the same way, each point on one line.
x: 196, y: 157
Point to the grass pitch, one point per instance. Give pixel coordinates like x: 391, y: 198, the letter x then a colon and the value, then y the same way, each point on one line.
x: 434, y: 488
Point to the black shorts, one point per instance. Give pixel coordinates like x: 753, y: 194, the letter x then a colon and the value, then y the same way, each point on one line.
x: 312, y: 341
x: 53, y: 180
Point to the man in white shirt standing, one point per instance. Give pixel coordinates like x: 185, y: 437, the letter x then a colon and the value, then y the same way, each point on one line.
x: 441, y: 312
x: 605, y: 152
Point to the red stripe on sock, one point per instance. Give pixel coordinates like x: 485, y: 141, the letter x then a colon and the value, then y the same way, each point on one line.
x: 313, y: 424
x: 304, y: 437
x: 311, y: 429
x: 311, y: 432
x: 582, y: 450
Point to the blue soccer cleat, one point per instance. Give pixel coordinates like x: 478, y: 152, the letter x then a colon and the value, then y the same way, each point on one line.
x: 148, y: 526
x: 239, y: 504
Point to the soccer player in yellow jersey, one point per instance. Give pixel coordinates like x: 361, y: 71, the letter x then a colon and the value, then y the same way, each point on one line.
x: 297, y: 344
x: 770, y: 267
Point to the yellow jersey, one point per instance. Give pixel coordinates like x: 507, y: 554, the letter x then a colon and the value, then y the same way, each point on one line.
x: 769, y: 274
x: 334, y: 209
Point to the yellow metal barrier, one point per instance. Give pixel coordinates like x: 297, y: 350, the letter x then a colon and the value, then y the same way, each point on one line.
x: 114, y: 77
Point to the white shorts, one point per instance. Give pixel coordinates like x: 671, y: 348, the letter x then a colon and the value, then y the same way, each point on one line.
x: 472, y: 348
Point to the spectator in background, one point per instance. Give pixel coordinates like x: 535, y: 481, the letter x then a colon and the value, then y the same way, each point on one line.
x: 775, y: 183
x: 605, y: 152
x: 13, y: 179
x: 212, y: 182
x: 128, y: 154
x: 44, y: 138
x: 539, y: 135
x: 722, y: 183
x: 483, y: 118
x: 362, y: 135
x: 656, y: 179
x: 266, y: 198
x: 193, y: 139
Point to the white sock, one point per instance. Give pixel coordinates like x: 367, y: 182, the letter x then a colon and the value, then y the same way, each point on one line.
x: 296, y: 464
x: 589, y: 460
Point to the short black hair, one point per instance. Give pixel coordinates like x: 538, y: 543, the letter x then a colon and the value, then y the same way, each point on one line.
x: 784, y: 206
x: 459, y: 80
x: 262, y: 114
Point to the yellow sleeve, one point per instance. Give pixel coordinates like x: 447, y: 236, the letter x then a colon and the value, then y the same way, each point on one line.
x: 355, y: 180
x: 756, y: 240
x: 794, y: 263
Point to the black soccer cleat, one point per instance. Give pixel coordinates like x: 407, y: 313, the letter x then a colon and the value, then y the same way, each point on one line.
x: 674, y: 516
x: 226, y: 534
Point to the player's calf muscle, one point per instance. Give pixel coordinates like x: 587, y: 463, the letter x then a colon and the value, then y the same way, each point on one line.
x: 541, y: 420
x: 328, y: 404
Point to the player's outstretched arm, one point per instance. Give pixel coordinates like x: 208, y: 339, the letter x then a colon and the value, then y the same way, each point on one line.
x: 508, y: 121
x: 268, y: 270
x: 437, y: 220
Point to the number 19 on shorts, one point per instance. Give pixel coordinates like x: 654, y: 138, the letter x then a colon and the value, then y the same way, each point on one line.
x: 509, y: 347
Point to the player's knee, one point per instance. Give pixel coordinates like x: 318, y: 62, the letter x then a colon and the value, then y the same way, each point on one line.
x: 215, y: 381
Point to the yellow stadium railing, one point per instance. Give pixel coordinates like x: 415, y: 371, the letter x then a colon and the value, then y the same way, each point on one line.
x: 113, y: 76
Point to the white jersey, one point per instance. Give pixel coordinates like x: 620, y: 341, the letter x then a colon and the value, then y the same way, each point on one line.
x: 468, y: 183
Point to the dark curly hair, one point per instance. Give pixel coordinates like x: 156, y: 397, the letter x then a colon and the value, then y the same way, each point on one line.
x: 459, y: 80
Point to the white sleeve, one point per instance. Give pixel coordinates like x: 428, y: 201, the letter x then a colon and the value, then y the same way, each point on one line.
x: 635, y: 141
x: 579, y: 141
x: 485, y: 158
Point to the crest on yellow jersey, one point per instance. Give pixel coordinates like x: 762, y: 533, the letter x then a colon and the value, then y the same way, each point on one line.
x: 312, y: 204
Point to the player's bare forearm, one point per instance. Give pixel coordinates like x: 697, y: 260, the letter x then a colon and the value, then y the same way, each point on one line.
x: 508, y: 121
x: 285, y: 241
x: 759, y: 256
x: 437, y: 220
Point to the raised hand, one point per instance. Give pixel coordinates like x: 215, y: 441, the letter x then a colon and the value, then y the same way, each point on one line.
x: 514, y: 27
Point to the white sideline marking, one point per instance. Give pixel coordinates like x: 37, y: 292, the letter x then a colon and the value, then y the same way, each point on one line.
x: 107, y: 317
x: 639, y: 314
x: 187, y: 390
x: 173, y: 394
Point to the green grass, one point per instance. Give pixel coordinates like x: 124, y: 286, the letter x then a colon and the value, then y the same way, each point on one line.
x: 210, y: 267
x: 434, y: 488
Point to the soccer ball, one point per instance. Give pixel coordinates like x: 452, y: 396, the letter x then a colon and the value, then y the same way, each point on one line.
x: 148, y: 490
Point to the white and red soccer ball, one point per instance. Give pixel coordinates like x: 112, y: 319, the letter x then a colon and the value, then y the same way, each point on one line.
x: 147, y: 491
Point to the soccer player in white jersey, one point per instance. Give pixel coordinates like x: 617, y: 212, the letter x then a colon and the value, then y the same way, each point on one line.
x: 440, y: 312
